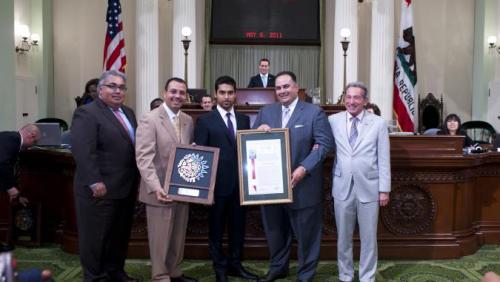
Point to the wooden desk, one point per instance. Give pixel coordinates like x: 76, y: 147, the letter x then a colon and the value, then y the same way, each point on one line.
x: 443, y: 204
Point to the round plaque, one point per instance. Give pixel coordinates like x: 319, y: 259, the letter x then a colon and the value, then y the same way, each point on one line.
x: 411, y: 210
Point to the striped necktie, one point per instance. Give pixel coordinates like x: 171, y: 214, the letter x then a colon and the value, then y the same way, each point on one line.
x: 118, y: 115
x: 285, y: 117
x: 354, y: 131
x: 177, y: 127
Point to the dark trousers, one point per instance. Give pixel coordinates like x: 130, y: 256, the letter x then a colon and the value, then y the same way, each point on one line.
x: 281, y: 224
x: 103, y: 233
x: 226, y: 209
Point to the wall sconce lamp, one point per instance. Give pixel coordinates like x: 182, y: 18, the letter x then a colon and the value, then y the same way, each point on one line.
x: 492, y: 41
x: 27, y: 40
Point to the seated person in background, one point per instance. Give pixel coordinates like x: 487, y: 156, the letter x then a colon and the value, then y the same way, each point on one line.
x: 155, y: 103
x: 207, y: 102
x: 90, y: 93
x: 452, y: 126
x: 264, y: 78
x: 372, y: 108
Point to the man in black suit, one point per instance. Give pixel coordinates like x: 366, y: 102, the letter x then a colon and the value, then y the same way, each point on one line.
x: 11, y: 143
x: 106, y: 179
x: 264, y: 78
x: 218, y: 129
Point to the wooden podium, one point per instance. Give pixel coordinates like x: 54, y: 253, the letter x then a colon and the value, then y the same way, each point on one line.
x: 443, y: 204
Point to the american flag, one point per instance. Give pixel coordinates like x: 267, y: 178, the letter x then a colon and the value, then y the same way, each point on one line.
x: 114, y: 45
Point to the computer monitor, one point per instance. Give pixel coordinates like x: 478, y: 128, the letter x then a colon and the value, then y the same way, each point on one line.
x: 196, y: 94
x: 50, y: 134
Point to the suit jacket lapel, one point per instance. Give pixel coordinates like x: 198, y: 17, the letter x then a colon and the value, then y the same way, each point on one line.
x: 297, y: 112
x: 276, y: 122
x: 344, y: 136
x: 183, y: 121
x: 113, y: 119
x: 221, y: 123
x: 166, y: 123
x: 363, y: 128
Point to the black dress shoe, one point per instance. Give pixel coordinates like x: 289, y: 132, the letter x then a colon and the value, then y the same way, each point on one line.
x: 242, y: 273
x: 221, y: 277
x: 183, y: 278
x: 124, y: 278
x: 270, y: 277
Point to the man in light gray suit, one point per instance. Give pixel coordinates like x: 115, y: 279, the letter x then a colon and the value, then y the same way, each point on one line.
x: 361, y: 180
x: 310, y: 141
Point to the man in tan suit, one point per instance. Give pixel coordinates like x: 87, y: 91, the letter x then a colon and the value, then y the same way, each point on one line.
x: 157, y: 131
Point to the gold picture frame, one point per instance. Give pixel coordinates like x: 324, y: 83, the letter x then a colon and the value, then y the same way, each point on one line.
x: 264, y: 167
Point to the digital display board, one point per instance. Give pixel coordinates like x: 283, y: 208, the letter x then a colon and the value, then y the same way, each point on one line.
x: 265, y: 22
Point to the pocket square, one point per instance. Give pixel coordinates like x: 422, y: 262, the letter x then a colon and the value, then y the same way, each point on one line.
x: 299, y: 125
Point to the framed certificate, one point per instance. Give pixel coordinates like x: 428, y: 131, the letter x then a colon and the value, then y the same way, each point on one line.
x: 191, y: 173
x: 264, y: 167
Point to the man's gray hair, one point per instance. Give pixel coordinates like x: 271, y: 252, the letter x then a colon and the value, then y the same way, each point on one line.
x: 358, y: 84
x: 105, y: 75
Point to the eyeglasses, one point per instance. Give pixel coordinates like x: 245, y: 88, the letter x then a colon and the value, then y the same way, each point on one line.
x: 115, y: 87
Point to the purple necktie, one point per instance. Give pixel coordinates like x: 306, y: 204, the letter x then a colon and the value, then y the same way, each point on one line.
x: 230, y: 127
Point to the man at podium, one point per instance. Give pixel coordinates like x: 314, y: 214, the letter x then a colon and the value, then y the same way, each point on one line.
x: 264, y: 78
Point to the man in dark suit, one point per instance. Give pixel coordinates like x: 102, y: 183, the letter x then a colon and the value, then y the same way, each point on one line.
x: 310, y: 141
x: 218, y: 129
x: 106, y: 179
x: 264, y: 78
x: 11, y: 143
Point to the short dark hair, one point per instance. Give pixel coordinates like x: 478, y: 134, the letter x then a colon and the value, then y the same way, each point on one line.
x: 152, y: 105
x: 289, y: 73
x: 207, y: 95
x: 109, y: 73
x: 360, y: 85
x: 264, y: 60
x: 176, y: 79
x: 376, y: 109
x: 225, y: 79
x: 93, y: 81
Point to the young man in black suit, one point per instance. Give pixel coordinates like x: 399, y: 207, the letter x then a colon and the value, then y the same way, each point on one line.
x: 218, y: 129
x: 11, y: 144
x: 264, y: 78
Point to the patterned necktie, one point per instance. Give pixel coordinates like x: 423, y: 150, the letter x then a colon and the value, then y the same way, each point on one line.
x: 354, y: 131
x: 285, y: 117
x: 230, y: 127
x: 124, y: 124
x: 177, y: 127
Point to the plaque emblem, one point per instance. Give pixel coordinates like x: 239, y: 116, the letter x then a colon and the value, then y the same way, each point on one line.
x: 192, y: 167
x: 24, y: 219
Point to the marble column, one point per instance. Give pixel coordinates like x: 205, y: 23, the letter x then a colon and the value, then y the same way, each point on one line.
x: 346, y: 16
x: 146, y: 54
x: 184, y: 12
x: 382, y: 56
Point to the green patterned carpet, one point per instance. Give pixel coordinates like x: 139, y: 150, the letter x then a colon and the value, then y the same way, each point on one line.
x: 66, y: 267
